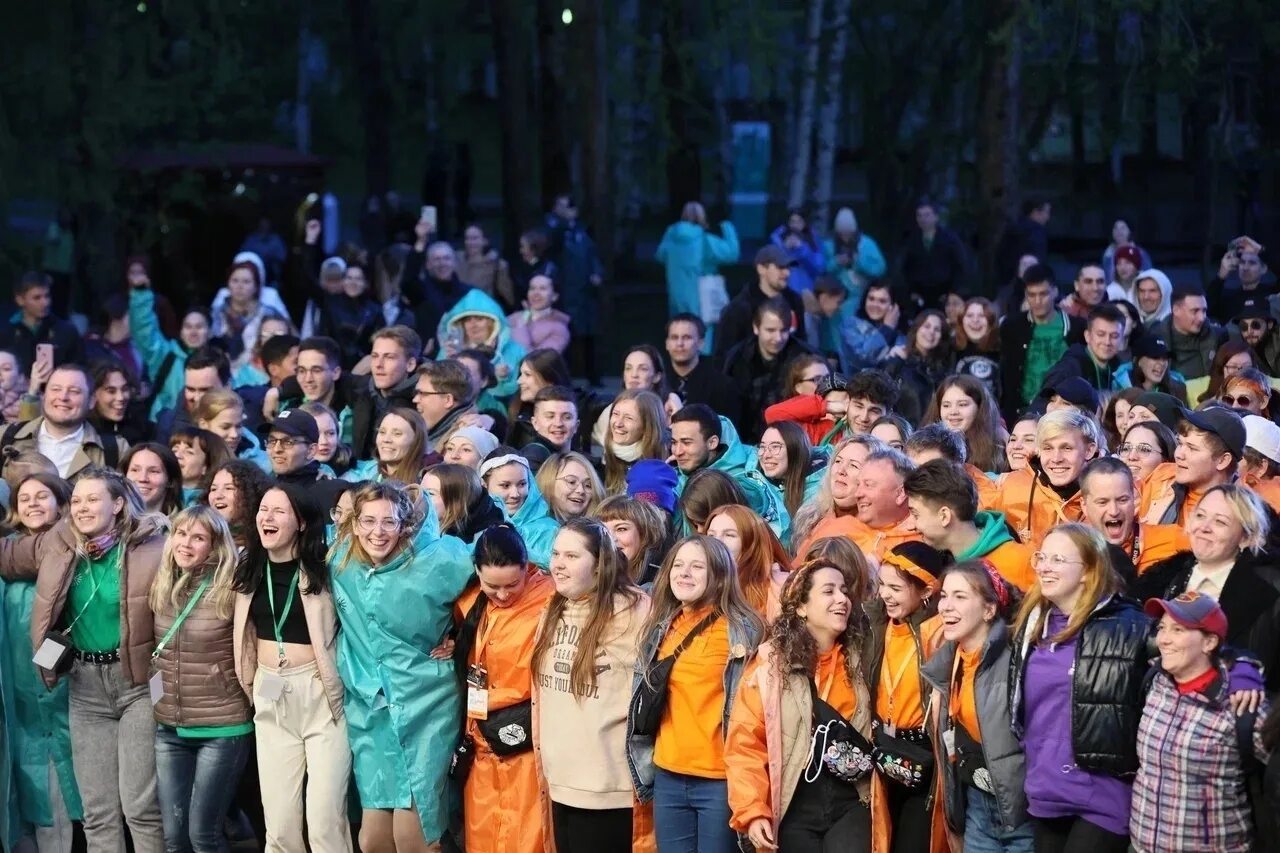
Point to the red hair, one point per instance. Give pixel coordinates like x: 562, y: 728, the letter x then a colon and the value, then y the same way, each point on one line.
x: 761, y: 548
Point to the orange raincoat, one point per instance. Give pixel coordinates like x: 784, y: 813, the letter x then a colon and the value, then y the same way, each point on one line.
x: 1032, y: 507
x: 1155, y: 542
x: 874, y: 542
x: 501, y: 806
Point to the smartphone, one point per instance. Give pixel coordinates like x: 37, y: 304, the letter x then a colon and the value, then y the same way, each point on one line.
x: 44, y: 357
x: 429, y: 215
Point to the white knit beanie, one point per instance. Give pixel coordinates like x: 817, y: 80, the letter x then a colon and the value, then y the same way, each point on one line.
x: 846, y: 222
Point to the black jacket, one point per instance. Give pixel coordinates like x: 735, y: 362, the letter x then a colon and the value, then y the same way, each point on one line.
x: 322, y: 489
x: 759, y: 384
x: 1250, y: 598
x: 1076, y: 361
x: 344, y: 393
x: 1113, y: 653
x: 704, y: 384
x: 928, y: 274
x: 428, y: 297
x: 917, y: 380
x: 350, y: 322
x: 736, y: 319
x: 369, y: 404
x: 482, y: 513
x: 1015, y: 337
x: 16, y: 337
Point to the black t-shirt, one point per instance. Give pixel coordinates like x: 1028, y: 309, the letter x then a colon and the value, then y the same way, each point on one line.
x: 294, y: 629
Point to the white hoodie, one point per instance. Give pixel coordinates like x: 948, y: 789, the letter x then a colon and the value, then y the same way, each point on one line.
x: 1116, y: 291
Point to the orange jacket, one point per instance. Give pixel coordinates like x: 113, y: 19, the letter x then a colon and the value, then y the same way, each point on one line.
x: 987, y: 487
x: 1157, y: 494
x: 873, y: 542
x: 1156, y: 542
x: 1013, y: 561
x: 1032, y: 507
x: 1268, y: 490
x: 767, y: 746
x: 500, y: 798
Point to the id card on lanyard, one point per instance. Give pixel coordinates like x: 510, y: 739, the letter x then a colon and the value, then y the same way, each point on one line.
x: 478, y: 675
x: 156, y: 683
x: 272, y: 684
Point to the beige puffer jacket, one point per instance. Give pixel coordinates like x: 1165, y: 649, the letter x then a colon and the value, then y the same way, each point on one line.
x: 199, y: 670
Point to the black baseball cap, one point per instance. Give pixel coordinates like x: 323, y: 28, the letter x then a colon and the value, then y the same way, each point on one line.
x: 1150, y: 346
x: 1077, y: 392
x: 294, y: 422
x: 1254, y: 308
x: 1223, y: 423
x: 777, y: 256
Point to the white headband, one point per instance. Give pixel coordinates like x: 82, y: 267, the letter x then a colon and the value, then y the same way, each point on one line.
x: 489, y: 464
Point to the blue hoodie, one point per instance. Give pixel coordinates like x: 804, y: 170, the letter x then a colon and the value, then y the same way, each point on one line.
x: 477, y: 303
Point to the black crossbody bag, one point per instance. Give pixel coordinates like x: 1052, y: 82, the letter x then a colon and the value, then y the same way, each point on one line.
x: 650, y: 699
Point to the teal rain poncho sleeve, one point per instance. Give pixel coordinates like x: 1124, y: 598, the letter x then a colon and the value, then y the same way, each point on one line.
x: 536, y: 526
x: 403, y: 708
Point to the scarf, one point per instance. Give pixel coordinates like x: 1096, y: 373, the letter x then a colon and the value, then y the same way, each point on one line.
x: 98, y: 546
x: 627, y: 452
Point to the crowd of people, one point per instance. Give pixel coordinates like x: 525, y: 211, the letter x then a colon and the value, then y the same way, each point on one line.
x: 851, y: 562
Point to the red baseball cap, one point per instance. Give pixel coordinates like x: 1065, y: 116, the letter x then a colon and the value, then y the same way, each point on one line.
x: 1191, y: 610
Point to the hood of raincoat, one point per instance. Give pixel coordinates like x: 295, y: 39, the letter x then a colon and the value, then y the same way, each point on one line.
x: 477, y: 303
x: 993, y: 532
x: 686, y: 232
x: 1166, y: 295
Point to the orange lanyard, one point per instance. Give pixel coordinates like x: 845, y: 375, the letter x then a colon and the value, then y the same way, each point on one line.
x: 482, y: 634
x: 824, y: 693
x: 891, y: 687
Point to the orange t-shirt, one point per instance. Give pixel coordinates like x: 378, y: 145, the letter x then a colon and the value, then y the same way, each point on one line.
x: 898, y: 700
x: 833, y: 684
x: 964, y: 706
x: 691, y: 737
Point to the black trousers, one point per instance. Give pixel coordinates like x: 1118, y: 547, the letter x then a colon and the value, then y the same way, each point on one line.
x: 825, y: 816
x: 1076, y: 835
x: 591, y: 830
x: 910, y: 819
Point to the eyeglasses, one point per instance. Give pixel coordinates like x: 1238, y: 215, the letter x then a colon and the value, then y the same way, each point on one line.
x: 1056, y: 561
x: 337, y: 514
x: 815, y: 378
x: 774, y: 447
x: 368, y: 524
x: 276, y: 441
x: 417, y: 394
x: 574, y: 483
x: 1243, y: 401
x: 1126, y: 449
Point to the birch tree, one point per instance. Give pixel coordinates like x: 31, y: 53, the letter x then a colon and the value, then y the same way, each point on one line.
x: 804, y: 107
x: 829, y: 121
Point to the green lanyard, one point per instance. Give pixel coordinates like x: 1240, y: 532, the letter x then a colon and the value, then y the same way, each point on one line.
x: 182, y: 617
x: 277, y: 622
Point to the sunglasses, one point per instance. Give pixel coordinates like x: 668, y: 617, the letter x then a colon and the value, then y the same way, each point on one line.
x: 1253, y: 325
x: 1241, y: 402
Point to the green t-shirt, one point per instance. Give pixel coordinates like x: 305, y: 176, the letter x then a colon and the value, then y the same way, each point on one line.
x: 1048, y: 344
x: 93, y: 603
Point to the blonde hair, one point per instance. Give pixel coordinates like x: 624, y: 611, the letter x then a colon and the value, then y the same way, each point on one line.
x: 1249, y: 510
x: 1099, y: 581
x: 173, y: 586
x: 823, y: 504
x: 346, y: 544
x: 653, y: 436
x: 214, y: 403
x: 1054, y: 424
x: 550, y: 471
x: 131, y: 513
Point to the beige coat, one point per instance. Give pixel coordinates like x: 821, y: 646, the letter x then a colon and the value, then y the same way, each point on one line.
x: 90, y: 452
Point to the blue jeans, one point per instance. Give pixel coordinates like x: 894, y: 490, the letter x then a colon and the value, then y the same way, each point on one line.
x: 691, y: 814
x: 197, y: 781
x: 984, y: 831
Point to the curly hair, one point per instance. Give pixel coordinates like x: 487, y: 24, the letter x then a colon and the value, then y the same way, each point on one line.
x: 789, y: 634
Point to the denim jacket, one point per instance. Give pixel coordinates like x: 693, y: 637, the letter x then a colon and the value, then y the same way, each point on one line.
x: 743, y: 641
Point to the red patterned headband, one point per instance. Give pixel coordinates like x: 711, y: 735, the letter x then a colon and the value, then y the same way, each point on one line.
x: 998, y: 583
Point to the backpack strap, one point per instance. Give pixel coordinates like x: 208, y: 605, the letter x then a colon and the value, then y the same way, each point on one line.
x: 166, y: 367
x: 10, y: 432
x: 110, y: 451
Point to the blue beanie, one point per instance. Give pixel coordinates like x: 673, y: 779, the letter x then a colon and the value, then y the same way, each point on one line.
x: 654, y: 481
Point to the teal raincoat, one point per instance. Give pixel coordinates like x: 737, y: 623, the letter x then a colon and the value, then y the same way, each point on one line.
x: 812, y: 483
x: 506, y: 351
x: 689, y: 251
x: 536, y: 525
x: 366, y: 470
x: 156, y: 349
x: 36, y: 722
x: 403, y: 708
x: 739, y: 461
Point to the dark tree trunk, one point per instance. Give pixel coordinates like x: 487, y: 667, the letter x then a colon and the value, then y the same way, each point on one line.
x: 593, y: 59
x: 511, y: 49
x: 997, y: 138
x: 553, y: 122
x: 375, y: 98
x: 684, y: 169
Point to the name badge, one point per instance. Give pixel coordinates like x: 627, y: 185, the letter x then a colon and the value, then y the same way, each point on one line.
x: 156, y: 685
x: 477, y: 703
x: 49, y: 653
x: 270, y: 686
x: 949, y: 742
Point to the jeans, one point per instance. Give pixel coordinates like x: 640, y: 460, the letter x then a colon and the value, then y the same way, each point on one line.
x: 113, y: 737
x: 197, y: 781
x: 691, y: 815
x: 984, y: 830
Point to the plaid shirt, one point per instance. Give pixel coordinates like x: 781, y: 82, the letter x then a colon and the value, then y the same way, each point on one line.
x: 1190, y: 793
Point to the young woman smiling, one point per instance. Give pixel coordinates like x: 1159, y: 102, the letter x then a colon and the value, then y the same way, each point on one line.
x: 221, y: 412
x: 400, y: 446
x: 235, y: 491
x: 636, y: 429
x: 790, y: 464
x: 199, y: 453
x: 39, y: 734
x: 1078, y: 644
x: 834, y: 505
x: 571, y: 485
x: 640, y: 530
x: 155, y: 473
x: 904, y: 632
x: 204, y: 728
x: 701, y: 617
x: 760, y: 559
x: 966, y: 407
x: 395, y: 579
x: 797, y: 751
x: 507, y: 478
x: 583, y: 663
x: 463, y: 507
x: 982, y: 765
x: 285, y: 637
x: 497, y: 622
x: 1020, y: 446
x: 95, y: 572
